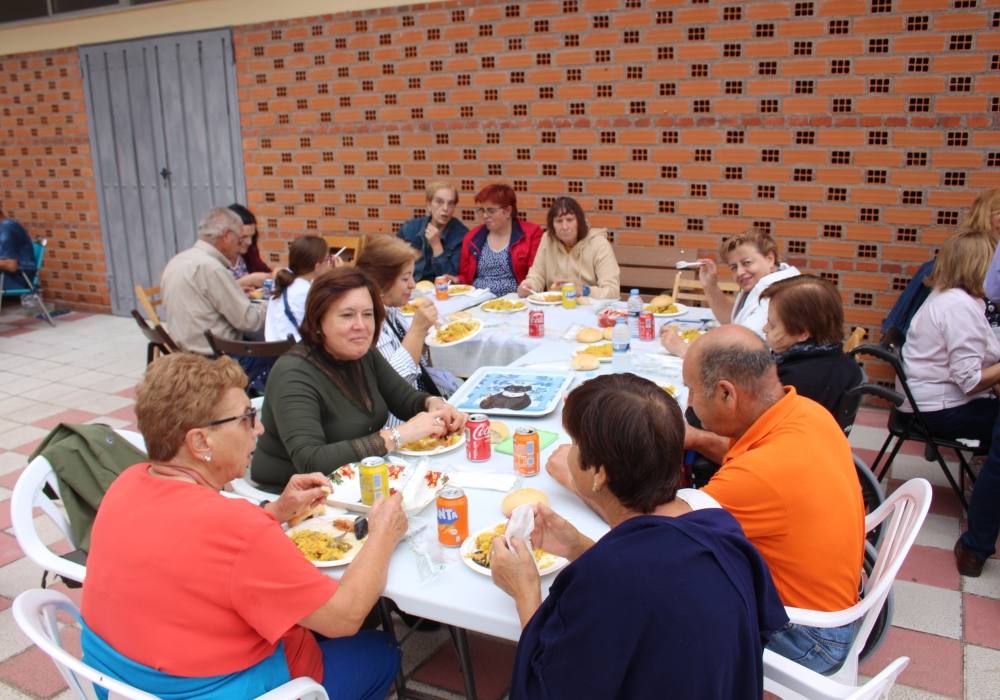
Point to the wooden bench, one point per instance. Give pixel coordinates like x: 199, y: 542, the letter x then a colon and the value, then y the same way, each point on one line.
x: 650, y: 268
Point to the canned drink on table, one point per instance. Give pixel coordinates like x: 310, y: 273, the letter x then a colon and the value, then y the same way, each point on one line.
x: 647, y: 326
x: 441, y: 288
x: 374, y: 477
x: 536, y: 323
x: 268, y: 287
x: 569, y: 295
x: 526, y: 449
x: 477, y: 438
x: 452, y: 516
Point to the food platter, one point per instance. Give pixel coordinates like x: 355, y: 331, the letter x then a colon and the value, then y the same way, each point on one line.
x: 455, y: 290
x: 503, y: 305
x: 597, y: 350
x: 512, y: 391
x: 545, y: 298
x: 680, y: 311
x: 345, y: 483
x: 445, y: 444
x: 547, y: 563
x: 475, y: 324
x: 328, y: 527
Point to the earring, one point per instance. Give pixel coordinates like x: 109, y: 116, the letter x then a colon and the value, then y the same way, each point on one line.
x: 208, y: 457
x: 594, y: 486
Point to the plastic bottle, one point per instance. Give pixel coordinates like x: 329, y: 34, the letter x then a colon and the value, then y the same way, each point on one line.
x: 619, y: 345
x: 634, y: 309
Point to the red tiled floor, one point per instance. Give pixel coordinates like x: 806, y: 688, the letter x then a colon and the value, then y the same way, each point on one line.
x: 70, y: 416
x: 945, y: 502
x: 33, y: 671
x: 872, y: 418
x: 981, y: 620
x: 5, y: 602
x: 9, y: 549
x: 15, y: 331
x: 5, y: 519
x: 492, y: 660
x: 935, y: 662
x: 8, y: 480
x: 28, y: 447
x: 932, y: 566
x: 126, y: 413
x: 128, y: 393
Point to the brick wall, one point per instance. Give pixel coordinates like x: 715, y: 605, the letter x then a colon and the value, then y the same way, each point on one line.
x: 858, y: 131
x: 46, y: 172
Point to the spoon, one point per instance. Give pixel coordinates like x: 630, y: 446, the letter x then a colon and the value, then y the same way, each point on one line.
x: 682, y: 264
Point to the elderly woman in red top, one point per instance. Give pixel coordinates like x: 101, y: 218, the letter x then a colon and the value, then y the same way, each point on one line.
x: 498, y: 254
x: 192, y: 594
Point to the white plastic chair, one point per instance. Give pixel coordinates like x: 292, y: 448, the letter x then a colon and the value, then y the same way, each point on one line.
x: 35, y: 613
x: 797, y: 681
x: 28, y: 495
x: 902, y: 514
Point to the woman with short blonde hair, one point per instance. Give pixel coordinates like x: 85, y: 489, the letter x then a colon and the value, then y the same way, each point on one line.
x: 437, y: 237
x: 984, y: 215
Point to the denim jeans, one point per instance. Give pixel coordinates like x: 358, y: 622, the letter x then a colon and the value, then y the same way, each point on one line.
x: 984, y: 507
x: 819, y: 649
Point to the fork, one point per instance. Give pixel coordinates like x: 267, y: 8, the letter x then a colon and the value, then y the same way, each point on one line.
x: 682, y: 264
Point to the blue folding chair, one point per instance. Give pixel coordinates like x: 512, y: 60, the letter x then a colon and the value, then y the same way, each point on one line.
x: 31, y: 286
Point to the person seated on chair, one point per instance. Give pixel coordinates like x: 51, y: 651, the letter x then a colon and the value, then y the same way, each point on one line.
x: 329, y: 397
x: 17, y: 253
x: 788, y: 478
x: 438, y: 236
x: 308, y: 258
x: 498, y: 254
x: 199, y: 293
x: 700, y: 638
x: 249, y: 269
x: 571, y: 251
x: 390, y: 263
x: 190, y: 593
x: 753, y: 258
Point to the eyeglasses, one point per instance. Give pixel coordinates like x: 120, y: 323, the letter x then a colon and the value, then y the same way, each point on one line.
x: 250, y: 416
x: 438, y: 202
x: 488, y: 211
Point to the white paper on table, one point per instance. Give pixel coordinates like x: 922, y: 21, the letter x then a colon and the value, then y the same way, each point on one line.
x: 416, y: 493
x: 520, y: 525
x: 493, y: 481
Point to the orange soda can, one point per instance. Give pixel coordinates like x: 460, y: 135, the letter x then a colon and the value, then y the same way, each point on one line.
x: 526, y: 449
x: 452, y: 516
x: 441, y: 288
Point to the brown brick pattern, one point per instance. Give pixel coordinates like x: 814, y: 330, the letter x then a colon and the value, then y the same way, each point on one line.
x: 857, y: 131
x: 46, y: 172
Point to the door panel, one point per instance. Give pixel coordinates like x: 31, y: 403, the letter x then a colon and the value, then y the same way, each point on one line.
x: 164, y: 129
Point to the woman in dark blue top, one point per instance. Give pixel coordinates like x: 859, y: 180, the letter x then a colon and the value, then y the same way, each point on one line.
x: 672, y: 602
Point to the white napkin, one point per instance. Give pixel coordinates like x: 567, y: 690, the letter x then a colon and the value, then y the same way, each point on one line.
x: 520, y: 525
x: 494, y: 481
x: 416, y: 493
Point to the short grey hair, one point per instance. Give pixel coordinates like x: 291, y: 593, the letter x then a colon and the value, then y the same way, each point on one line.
x: 216, y: 222
x: 743, y: 366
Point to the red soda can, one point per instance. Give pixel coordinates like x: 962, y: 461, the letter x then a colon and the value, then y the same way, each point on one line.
x: 477, y: 438
x: 536, y: 323
x: 452, y: 516
x: 526, y: 448
x: 647, y: 326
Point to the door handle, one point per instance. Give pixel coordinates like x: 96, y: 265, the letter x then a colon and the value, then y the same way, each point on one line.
x: 165, y: 173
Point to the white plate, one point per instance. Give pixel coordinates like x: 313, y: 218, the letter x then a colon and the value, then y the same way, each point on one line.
x: 581, y: 348
x: 522, y: 306
x: 539, y: 299
x: 457, y: 290
x: 325, y: 524
x: 549, y: 565
x: 436, y: 450
x: 347, y: 492
x: 433, y: 334
x: 681, y: 310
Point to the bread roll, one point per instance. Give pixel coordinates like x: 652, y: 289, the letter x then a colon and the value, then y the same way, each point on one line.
x: 425, y: 286
x: 662, y: 300
x: 589, y: 335
x: 585, y: 363
x: 522, y: 497
x: 498, y: 432
x: 608, y: 332
x: 420, y: 301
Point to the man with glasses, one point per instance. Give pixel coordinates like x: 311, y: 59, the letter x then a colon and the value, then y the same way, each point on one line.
x: 438, y: 236
x: 200, y: 294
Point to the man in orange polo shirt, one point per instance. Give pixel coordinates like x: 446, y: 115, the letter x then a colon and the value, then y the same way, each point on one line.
x: 788, y: 478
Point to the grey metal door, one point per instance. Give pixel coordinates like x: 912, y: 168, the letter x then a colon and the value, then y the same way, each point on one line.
x: 165, y: 138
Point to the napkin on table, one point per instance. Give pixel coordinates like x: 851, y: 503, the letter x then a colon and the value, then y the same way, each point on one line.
x: 494, y: 481
x: 545, y: 438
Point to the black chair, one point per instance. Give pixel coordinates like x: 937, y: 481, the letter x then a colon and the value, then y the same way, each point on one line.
x: 159, y: 341
x: 255, y: 349
x: 911, y: 425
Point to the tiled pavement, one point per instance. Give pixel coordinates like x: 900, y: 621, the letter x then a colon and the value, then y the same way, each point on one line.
x: 85, y: 370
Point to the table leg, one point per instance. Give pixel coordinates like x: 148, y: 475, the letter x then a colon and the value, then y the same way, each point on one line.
x: 385, y: 613
x: 461, y: 640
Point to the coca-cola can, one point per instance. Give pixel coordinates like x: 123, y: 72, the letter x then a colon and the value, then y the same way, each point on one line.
x: 647, y: 326
x: 477, y: 438
x: 536, y: 323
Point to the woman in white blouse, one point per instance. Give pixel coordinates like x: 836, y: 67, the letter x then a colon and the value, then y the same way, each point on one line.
x: 389, y: 261
x: 951, y: 356
x: 308, y: 258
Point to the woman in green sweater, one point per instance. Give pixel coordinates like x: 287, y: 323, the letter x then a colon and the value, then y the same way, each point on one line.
x: 329, y: 396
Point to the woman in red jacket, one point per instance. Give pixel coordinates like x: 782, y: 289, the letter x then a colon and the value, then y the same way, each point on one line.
x: 497, y: 254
